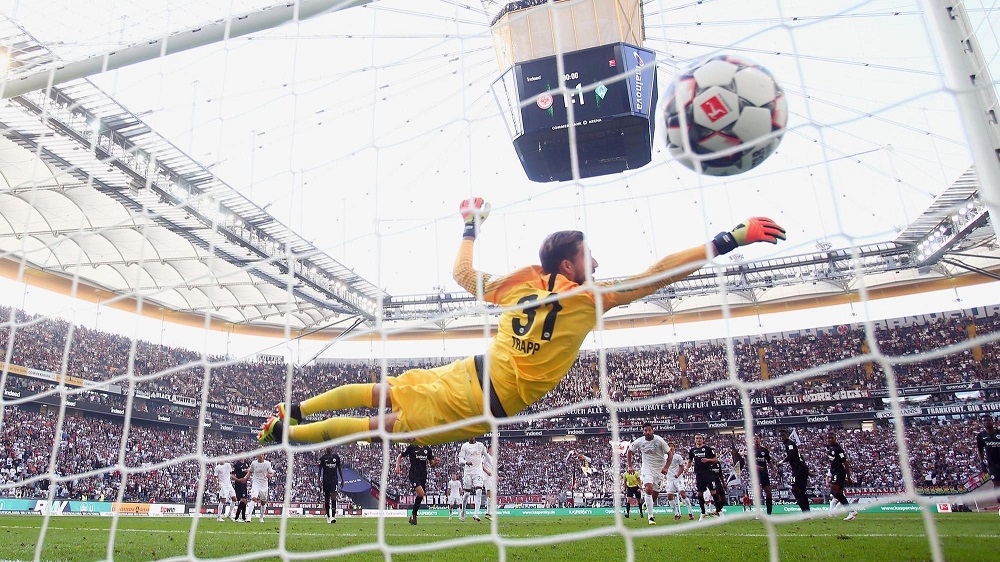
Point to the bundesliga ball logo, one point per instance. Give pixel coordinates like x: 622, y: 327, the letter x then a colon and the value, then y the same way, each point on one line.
x: 725, y: 106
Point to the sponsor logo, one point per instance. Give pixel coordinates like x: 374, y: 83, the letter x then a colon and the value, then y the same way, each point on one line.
x: 43, y: 506
x: 119, y: 411
x: 767, y: 421
x: 131, y: 508
x: 532, y: 78
x: 961, y: 386
x: 71, y: 402
x: 576, y: 431
x: 612, y: 63
x: 225, y: 427
x: 714, y: 108
x: 581, y: 511
x: 533, y: 432
x: 162, y: 418
x: 638, y: 81
x: 717, y: 424
x: 544, y: 101
x: 814, y: 419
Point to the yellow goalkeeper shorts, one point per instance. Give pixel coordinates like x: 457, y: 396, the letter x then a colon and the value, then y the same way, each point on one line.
x: 427, y: 398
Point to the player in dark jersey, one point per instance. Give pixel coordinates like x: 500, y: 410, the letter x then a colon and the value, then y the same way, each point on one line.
x: 840, y: 473
x: 703, y: 459
x: 764, y: 462
x: 988, y: 446
x: 800, y: 471
x: 240, y: 477
x: 331, y: 472
x: 420, y: 456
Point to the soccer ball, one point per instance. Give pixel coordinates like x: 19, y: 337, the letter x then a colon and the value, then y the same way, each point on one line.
x: 727, y: 102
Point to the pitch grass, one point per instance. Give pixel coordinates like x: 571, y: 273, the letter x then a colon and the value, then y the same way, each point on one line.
x: 882, y: 537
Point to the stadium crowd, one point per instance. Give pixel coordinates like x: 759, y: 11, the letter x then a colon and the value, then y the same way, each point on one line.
x: 90, y: 457
x: 161, y: 462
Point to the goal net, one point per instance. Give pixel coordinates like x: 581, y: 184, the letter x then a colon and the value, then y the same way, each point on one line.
x: 210, y: 208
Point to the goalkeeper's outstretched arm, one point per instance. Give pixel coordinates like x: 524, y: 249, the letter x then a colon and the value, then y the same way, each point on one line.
x: 681, y: 264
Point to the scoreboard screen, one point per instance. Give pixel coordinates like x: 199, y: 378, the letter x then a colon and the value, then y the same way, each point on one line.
x: 612, y: 90
x: 604, y: 83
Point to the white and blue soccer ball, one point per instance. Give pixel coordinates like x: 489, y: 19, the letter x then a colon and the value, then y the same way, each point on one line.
x: 727, y: 102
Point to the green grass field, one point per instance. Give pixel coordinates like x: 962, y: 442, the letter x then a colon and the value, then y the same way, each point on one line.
x: 879, y: 537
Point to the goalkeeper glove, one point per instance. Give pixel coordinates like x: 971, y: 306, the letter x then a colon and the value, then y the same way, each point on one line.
x: 470, y: 209
x: 755, y: 229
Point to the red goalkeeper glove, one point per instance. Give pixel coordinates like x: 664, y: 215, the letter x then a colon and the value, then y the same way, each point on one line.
x: 754, y: 229
x: 470, y: 210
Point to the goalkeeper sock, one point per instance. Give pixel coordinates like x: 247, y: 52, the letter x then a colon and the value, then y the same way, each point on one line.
x: 328, y: 429
x: 340, y: 398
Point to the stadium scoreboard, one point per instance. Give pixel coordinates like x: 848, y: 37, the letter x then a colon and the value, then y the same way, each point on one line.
x: 612, y: 91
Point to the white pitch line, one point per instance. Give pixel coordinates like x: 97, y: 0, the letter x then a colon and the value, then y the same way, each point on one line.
x: 229, y: 532
x: 302, y: 534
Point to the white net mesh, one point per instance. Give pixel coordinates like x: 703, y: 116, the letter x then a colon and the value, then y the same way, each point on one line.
x: 257, y: 206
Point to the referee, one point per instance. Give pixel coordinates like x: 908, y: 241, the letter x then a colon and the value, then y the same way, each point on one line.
x: 331, y: 471
x: 631, y: 480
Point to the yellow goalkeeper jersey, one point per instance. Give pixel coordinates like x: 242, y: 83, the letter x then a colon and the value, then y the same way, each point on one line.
x: 537, y: 343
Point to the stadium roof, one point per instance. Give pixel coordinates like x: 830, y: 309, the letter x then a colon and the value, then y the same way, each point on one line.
x: 97, y: 188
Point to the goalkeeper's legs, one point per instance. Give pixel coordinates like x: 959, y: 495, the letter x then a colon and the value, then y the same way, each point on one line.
x: 325, y: 430
x: 343, y: 397
x: 346, y: 396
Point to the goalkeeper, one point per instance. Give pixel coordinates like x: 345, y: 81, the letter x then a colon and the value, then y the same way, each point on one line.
x: 550, y: 309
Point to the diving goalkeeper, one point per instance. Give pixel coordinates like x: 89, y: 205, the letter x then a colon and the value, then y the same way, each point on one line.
x: 551, y: 311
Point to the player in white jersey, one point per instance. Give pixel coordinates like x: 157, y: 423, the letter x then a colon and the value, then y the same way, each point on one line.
x: 471, y: 456
x: 227, y: 494
x: 674, y: 486
x: 490, y: 469
x: 454, y: 494
x: 260, y: 473
x: 656, y: 455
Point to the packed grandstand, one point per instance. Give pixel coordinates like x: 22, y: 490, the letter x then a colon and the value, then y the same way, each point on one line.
x: 942, y: 398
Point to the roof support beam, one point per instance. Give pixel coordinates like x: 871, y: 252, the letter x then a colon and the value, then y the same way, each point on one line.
x: 234, y: 26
